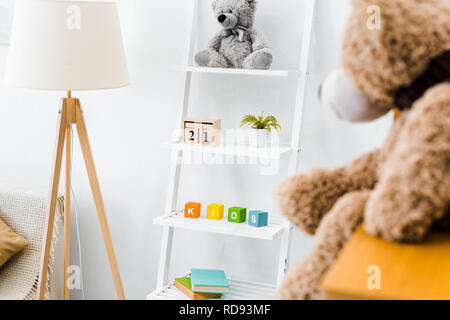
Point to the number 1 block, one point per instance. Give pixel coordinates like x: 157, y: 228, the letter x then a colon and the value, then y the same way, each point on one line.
x: 192, y: 210
x: 258, y: 218
x: 237, y: 214
x: 215, y: 211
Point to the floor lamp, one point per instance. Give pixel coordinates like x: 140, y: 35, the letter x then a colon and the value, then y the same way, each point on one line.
x: 68, y: 45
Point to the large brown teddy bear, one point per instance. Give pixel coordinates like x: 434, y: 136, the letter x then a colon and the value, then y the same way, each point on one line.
x: 403, y: 189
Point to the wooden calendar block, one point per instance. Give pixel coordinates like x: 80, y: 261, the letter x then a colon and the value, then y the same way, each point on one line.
x: 190, y: 134
x: 237, y: 214
x: 206, y: 135
x: 205, y: 132
x: 198, y: 131
x: 192, y: 210
x: 215, y: 211
x: 258, y: 218
x: 210, y: 135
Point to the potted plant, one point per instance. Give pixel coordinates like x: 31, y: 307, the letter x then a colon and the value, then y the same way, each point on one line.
x: 263, y: 127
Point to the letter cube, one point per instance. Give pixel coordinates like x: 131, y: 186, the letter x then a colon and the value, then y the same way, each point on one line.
x: 215, y: 211
x: 237, y: 214
x: 258, y: 218
x: 192, y: 210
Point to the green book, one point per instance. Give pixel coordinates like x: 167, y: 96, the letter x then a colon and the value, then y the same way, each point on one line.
x: 184, y: 285
x: 211, y: 281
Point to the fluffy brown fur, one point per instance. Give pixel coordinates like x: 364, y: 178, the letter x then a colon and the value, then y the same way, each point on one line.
x: 401, y: 190
x: 307, y: 197
x: 334, y: 231
x: 412, y: 33
x: 414, y: 187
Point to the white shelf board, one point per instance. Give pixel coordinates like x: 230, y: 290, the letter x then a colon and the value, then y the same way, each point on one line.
x: 239, y: 290
x: 248, y: 72
x: 244, y: 151
x: 177, y: 219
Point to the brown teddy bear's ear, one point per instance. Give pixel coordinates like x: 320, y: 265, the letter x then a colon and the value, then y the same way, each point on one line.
x: 389, y: 48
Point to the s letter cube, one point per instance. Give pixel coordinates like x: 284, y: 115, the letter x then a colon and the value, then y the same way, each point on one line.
x: 192, y: 210
x: 215, y: 211
x: 237, y: 214
x: 258, y: 218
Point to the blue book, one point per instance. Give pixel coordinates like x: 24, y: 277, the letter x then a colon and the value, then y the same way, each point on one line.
x: 211, y: 281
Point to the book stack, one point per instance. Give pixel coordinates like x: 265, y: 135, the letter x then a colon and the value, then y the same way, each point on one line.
x: 203, y: 284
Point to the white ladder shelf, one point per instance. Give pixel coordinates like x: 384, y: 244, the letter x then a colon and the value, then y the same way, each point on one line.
x: 278, y: 227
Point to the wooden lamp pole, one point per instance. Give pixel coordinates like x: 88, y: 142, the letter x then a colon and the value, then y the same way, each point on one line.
x: 72, y: 114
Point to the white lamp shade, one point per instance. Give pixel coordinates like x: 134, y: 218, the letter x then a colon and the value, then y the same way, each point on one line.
x: 66, y: 45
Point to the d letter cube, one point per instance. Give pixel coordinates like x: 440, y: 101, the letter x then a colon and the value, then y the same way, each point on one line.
x: 215, y: 211
x: 192, y: 210
x: 258, y: 218
x: 237, y: 214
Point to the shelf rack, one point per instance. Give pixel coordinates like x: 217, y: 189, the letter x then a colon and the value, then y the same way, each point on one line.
x: 233, y: 150
x: 177, y: 220
x: 278, y: 227
x: 247, y: 72
x: 239, y: 290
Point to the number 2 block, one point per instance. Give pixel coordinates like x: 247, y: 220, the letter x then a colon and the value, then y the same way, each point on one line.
x: 215, y: 211
x: 190, y: 133
x: 192, y: 210
x: 237, y: 214
x: 258, y: 218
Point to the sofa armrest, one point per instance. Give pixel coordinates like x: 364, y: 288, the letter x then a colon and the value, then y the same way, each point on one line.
x: 25, y: 212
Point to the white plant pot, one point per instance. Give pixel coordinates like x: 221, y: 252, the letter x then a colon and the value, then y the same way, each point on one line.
x: 262, y: 138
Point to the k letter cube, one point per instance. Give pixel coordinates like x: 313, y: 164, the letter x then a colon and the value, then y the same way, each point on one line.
x: 192, y: 210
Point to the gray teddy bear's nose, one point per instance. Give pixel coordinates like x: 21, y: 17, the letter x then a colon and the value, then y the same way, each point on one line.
x: 222, y: 18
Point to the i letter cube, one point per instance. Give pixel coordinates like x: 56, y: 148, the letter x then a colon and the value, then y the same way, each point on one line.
x: 258, y: 218
x: 215, y: 211
x: 237, y: 214
x: 192, y: 210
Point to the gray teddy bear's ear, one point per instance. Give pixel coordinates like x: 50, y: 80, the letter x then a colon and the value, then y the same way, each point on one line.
x: 252, y: 3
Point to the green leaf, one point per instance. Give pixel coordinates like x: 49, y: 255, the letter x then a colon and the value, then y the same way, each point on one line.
x: 260, y: 122
x: 249, y: 120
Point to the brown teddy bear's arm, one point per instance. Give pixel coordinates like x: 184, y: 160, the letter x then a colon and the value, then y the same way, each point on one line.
x: 307, y: 197
x: 303, y: 281
x: 414, y: 187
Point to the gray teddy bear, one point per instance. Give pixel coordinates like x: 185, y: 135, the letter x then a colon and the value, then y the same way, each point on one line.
x: 238, y: 45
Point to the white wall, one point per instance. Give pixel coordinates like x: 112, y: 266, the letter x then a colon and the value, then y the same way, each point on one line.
x: 127, y: 125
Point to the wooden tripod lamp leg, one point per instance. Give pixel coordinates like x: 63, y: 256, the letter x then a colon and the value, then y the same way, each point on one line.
x: 93, y: 180
x: 51, y: 206
x: 67, y: 212
x: 70, y: 119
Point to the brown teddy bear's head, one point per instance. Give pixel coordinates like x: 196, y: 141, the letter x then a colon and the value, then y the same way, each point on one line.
x: 393, y: 51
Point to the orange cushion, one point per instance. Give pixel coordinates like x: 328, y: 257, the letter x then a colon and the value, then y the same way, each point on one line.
x: 10, y: 243
x: 372, y: 268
